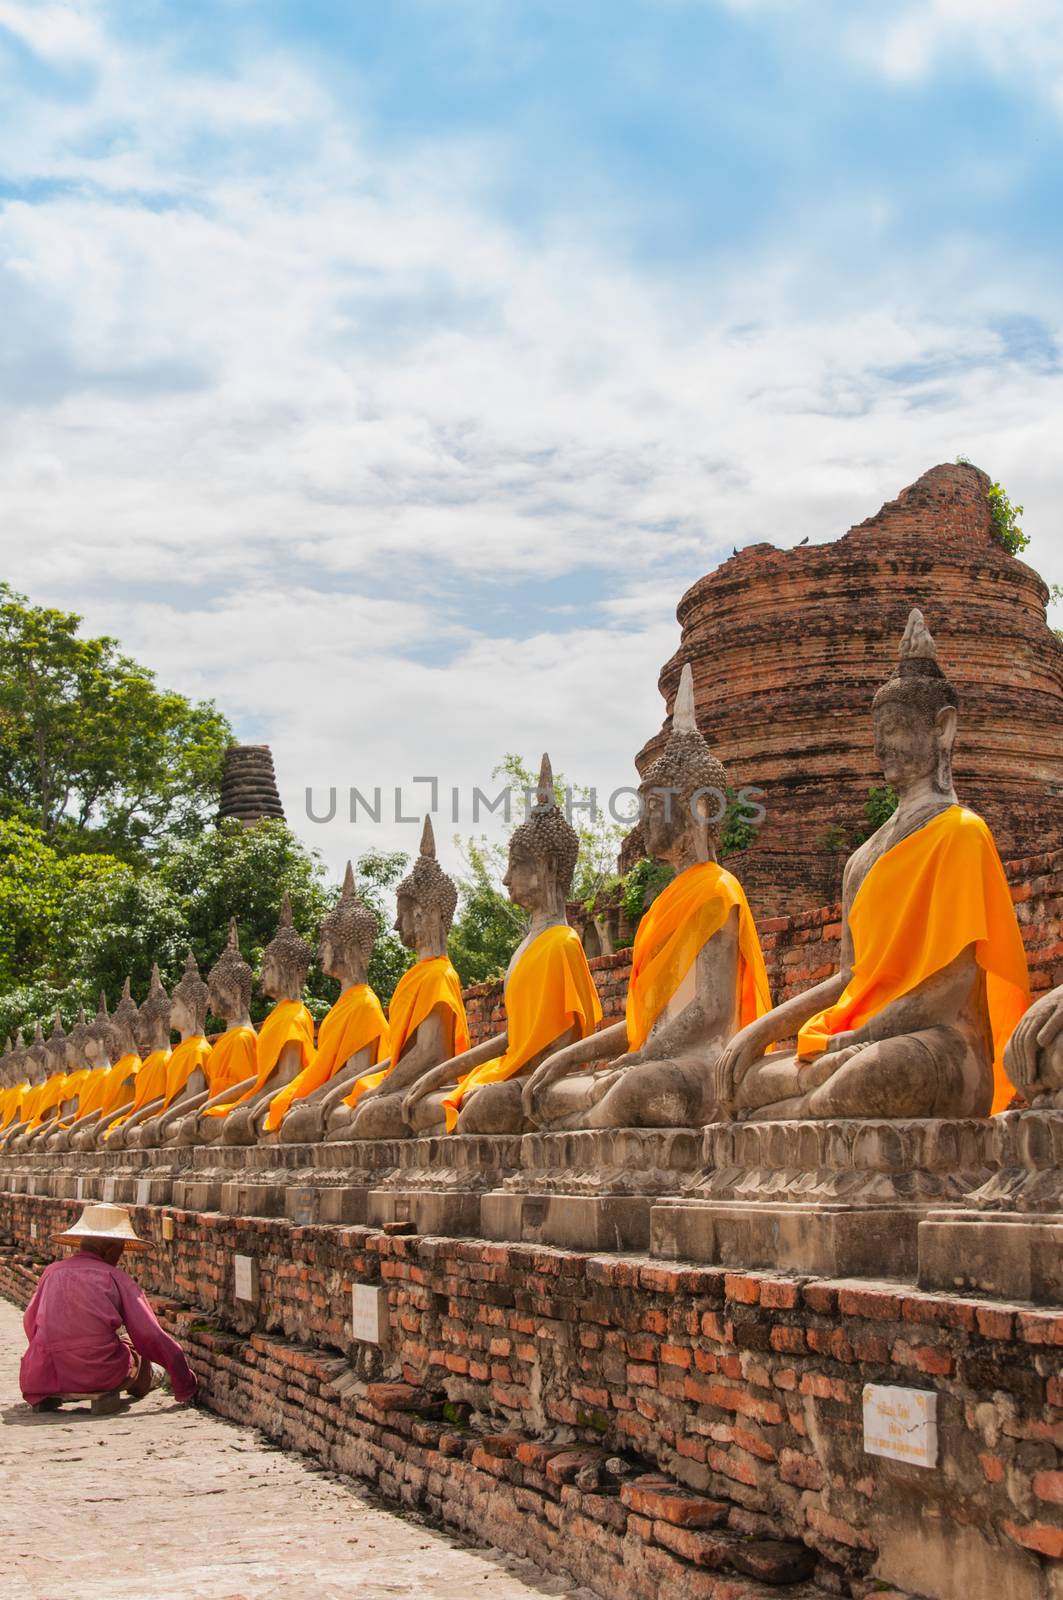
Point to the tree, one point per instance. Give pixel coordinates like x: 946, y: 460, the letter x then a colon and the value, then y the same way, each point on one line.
x: 92, y: 752
x: 43, y: 899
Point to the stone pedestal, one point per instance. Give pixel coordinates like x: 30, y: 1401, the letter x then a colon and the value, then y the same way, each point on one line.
x: 1006, y: 1238
x: 592, y: 1189
x: 843, y: 1198
x: 438, y: 1183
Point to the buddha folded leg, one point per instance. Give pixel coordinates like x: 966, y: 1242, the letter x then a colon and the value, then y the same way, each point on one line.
x: 939, y: 1071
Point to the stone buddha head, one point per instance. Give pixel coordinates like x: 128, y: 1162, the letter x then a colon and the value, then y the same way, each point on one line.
x: 542, y: 854
x: 76, y: 1041
x: 229, y: 981
x: 38, y: 1060
x: 426, y: 900
x: 17, y: 1064
x: 188, y: 1003
x: 125, y: 1020
x: 684, y: 792
x: 101, y: 1045
x: 347, y: 936
x: 914, y: 716
x: 56, y: 1046
x: 286, y: 959
x: 153, y: 1022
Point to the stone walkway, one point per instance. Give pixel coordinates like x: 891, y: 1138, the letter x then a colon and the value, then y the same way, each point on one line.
x: 159, y: 1503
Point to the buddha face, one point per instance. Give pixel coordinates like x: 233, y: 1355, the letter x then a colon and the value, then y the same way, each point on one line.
x: 224, y: 1001
x: 181, y: 1016
x: 910, y: 747
x: 407, y: 921
x: 526, y: 881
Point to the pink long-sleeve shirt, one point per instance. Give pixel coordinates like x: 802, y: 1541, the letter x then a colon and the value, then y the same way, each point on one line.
x: 72, y: 1325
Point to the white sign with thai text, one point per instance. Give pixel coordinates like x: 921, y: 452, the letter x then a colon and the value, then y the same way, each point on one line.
x: 901, y: 1424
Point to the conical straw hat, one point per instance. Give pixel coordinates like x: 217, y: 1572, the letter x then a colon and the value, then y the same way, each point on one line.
x: 103, y: 1222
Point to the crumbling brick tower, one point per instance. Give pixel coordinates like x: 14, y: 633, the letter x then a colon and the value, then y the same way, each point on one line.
x: 788, y: 647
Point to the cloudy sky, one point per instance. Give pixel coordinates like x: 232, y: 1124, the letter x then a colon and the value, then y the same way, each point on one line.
x: 387, y: 371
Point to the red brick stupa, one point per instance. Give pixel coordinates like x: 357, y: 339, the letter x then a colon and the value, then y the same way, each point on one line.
x: 789, y: 646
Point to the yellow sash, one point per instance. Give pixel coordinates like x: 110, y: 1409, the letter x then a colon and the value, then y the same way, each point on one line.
x: 72, y: 1090
x: 233, y: 1058
x: 191, y: 1053
x: 356, y: 1020
x: 924, y: 901
x: 549, y: 991
x: 679, y: 923
x: 149, y: 1084
x: 426, y: 985
x: 91, y: 1092
x: 14, y: 1098
x: 288, y: 1023
x: 118, y: 1080
x: 49, y: 1096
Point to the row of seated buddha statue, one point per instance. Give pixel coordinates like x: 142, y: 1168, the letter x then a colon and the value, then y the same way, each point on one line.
x: 927, y: 1015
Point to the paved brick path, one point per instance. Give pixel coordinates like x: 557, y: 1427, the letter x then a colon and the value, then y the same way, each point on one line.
x: 164, y: 1504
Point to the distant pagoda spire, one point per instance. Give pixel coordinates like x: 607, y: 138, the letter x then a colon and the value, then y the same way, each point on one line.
x: 249, y: 785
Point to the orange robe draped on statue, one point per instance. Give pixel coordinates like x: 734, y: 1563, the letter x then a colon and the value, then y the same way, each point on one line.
x: 49, y: 1095
x: 191, y: 1053
x: 233, y: 1058
x: 288, y: 1023
x: 119, y: 1081
x: 427, y: 984
x: 549, y: 991
x: 149, y: 1084
x: 923, y: 902
x: 355, y: 1021
x: 673, y: 931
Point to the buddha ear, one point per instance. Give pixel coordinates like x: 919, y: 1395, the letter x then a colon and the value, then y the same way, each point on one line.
x: 945, y: 725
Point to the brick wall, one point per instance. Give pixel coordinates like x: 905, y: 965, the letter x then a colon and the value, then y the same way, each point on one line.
x: 800, y: 950
x: 648, y: 1428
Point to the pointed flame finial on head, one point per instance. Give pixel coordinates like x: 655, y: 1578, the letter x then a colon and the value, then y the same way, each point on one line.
x: 683, y: 717
x: 349, y: 886
x: 544, y: 794
x: 428, y: 839
x: 918, y: 641
x: 285, y: 918
x: 233, y: 940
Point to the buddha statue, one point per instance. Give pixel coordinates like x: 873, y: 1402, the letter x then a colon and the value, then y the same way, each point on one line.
x: 932, y: 976
x: 118, y: 1085
x: 19, y: 1109
x: 1033, y: 1059
x: 352, y: 1039
x: 101, y: 1051
x: 149, y: 1089
x: 40, y: 1104
x: 426, y: 1016
x: 550, y: 996
x: 285, y: 1039
x: 232, y: 1065
x: 186, y: 1081
x: 697, y: 972
x: 63, y: 1084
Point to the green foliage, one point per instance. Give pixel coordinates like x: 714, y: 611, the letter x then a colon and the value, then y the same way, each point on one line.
x: 71, y: 925
x: 488, y: 927
x: 44, y: 898
x: 1055, y: 598
x: 1006, y: 527
x: 835, y: 839
x: 641, y: 886
x: 737, y: 832
x: 879, y: 807
x: 92, y: 752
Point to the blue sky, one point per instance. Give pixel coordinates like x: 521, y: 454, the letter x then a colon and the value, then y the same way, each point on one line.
x: 387, y: 371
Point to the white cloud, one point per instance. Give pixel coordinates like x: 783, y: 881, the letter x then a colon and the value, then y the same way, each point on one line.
x: 269, y: 385
x: 1020, y: 40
